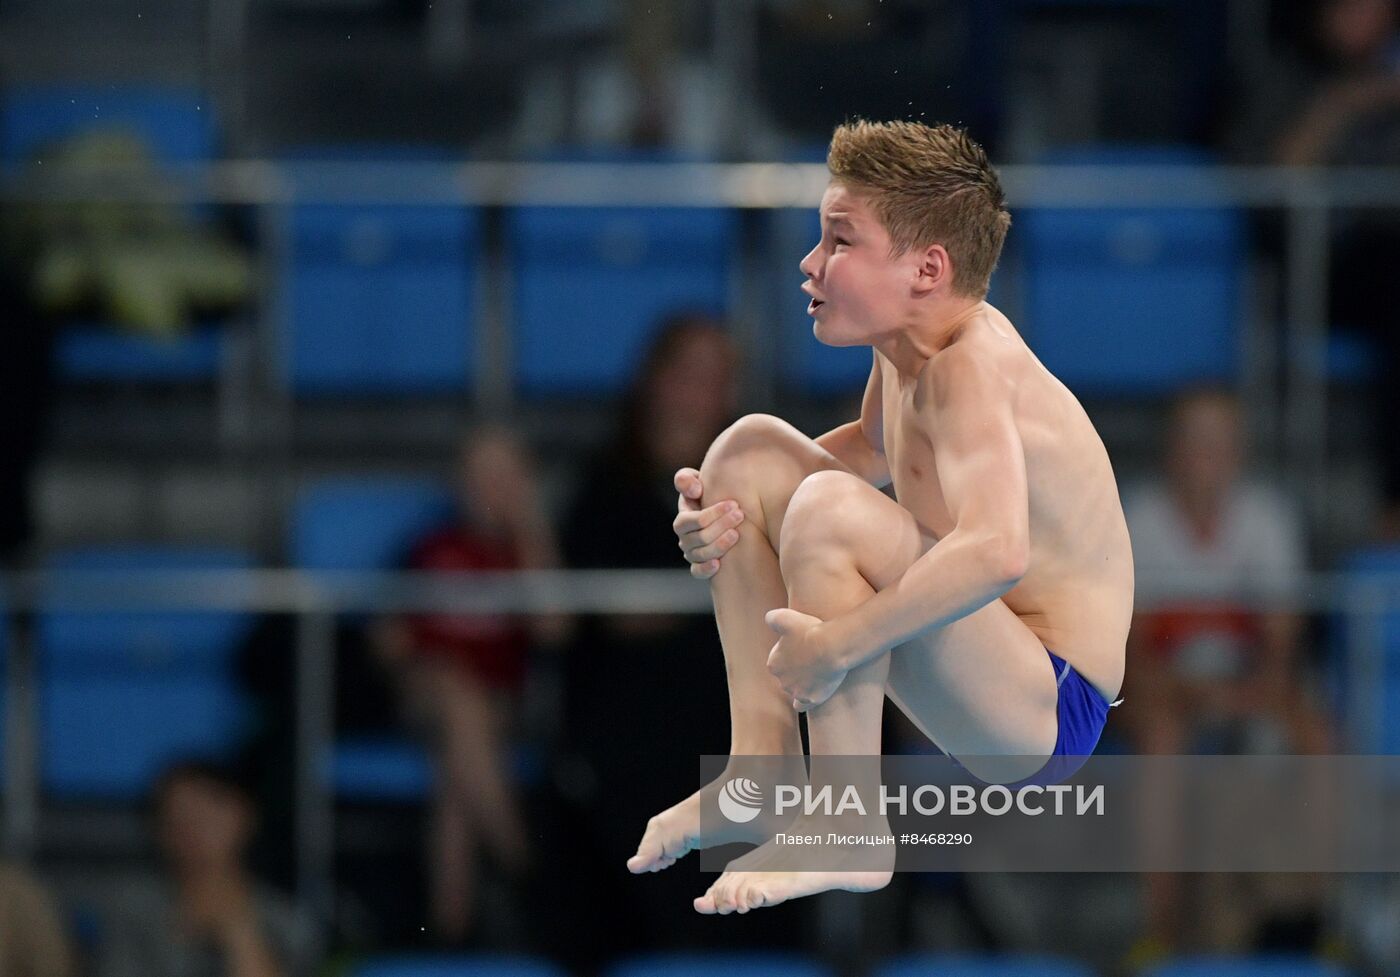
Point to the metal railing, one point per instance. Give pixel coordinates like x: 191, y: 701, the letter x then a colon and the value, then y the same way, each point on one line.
x: 316, y: 599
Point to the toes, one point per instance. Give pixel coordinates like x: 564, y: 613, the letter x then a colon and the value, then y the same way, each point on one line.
x: 724, y: 894
x: 657, y: 850
x: 705, y: 904
x: 648, y: 851
x: 646, y: 858
x: 717, y: 895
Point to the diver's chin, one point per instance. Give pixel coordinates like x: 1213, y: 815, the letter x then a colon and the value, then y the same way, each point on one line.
x: 828, y: 336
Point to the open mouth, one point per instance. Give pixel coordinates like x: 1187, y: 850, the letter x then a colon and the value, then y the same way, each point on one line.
x: 814, y: 305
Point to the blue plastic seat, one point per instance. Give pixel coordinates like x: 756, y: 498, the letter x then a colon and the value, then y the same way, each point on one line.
x: 591, y: 283
x: 379, y: 768
x: 731, y: 964
x: 363, y: 522
x: 178, y: 127
x: 94, y: 352
x: 1133, y: 301
x: 1260, y: 966
x: 981, y: 965
x: 177, y: 124
x: 367, y: 523
x: 380, y: 299
x: 807, y: 365
x: 476, y: 965
x: 1383, y: 735
x: 124, y: 694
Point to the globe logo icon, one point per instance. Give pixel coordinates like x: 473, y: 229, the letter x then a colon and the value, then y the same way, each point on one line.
x: 740, y: 800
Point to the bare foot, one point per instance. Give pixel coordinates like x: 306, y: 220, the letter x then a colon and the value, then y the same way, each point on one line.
x: 773, y: 873
x: 680, y: 830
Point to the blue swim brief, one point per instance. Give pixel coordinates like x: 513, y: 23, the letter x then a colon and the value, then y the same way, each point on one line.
x: 1082, y: 711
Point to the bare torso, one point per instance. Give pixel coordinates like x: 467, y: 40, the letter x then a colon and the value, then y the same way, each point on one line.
x: 1077, y: 594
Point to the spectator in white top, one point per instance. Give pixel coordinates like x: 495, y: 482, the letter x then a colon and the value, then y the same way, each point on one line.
x: 1215, y: 650
x: 1214, y: 661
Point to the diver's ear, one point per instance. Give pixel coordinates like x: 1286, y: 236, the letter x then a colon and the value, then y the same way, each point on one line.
x: 935, y: 270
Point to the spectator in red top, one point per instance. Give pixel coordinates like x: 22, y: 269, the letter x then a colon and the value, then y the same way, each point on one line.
x: 461, y: 676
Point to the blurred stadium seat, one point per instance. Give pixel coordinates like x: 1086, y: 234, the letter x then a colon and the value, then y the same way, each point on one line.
x: 1133, y: 301
x: 178, y: 126
x: 374, y: 768
x: 122, y: 695
x: 807, y: 365
x: 590, y: 283
x: 363, y: 522
x: 463, y: 966
x: 731, y: 964
x: 368, y: 523
x: 97, y: 352
x: 1383, y: 735
x: 380, y: 299
x: 1261, y: 966
x: 973, y: 965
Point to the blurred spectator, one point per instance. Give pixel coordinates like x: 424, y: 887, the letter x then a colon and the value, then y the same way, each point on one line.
x: 32, y: 940
x: 1334, y: 98
x: 208, y: 916
x: 1211, y: 672
x: 640, y: 75
x: 1335, y: 101
x: 461, y: 677
x: 684, y: 395
x: 645, y: 694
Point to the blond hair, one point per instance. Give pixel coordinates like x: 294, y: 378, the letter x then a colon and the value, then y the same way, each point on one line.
x: 927, y: 185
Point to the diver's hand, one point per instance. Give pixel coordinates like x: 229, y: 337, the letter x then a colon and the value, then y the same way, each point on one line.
x: 706, y: 533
